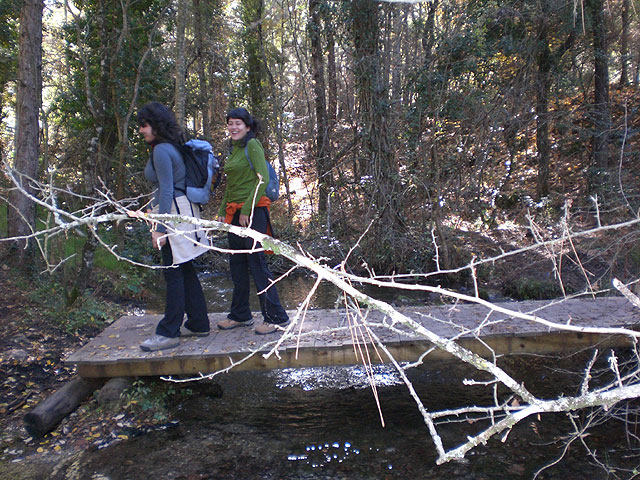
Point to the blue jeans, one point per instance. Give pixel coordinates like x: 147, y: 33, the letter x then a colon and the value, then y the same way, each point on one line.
x: 184, y: 295
x: 243, y: 264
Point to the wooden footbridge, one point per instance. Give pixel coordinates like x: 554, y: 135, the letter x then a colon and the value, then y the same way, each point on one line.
x: 116, y: 352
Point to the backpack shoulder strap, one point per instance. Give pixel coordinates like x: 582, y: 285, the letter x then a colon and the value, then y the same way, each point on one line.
x: 246, y: 153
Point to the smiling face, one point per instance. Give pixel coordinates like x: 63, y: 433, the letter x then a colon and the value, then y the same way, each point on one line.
x: 147, y: 132
x: 237, y: 128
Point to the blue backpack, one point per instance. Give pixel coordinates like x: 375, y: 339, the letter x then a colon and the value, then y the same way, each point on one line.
x: 273, y: 185
x: 200, y: 166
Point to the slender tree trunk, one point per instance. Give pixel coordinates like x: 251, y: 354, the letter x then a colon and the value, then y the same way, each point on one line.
x: 99, y: 161
x: 547, y: 61
x: 542, y: 107
x: 399, y: 24
x: 181, y: 64
x: 203, y: 95
x: 386, y: 54
x: 624, y: 44
x: 323, y: 169
x: 332, y: 76
x: 218, y: 63
x: 22, y: 217
x: 252, y: 19
x: 601, y: 115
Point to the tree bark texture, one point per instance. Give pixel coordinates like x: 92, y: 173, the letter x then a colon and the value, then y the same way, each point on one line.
x: 21, y: 217
x: 374, y: 111
x: 542, y: 107
x: 624, y: 44
x: 332, y: 76
x: 181, y: 64
x: 323, y: 168
x: 46, y: 415
x: 601, y: 115
x: 548, y: 62
x: 99, y: 165
x: 256, y: 75
x: 203, y: 93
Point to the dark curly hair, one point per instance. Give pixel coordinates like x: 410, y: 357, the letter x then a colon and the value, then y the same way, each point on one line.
x: 162, y: 121
x: 251, y: 122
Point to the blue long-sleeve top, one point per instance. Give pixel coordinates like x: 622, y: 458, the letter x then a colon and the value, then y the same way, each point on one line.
x: 168, y: 174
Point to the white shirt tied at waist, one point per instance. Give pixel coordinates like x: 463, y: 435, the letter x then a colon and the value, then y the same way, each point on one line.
x: 183, y: 236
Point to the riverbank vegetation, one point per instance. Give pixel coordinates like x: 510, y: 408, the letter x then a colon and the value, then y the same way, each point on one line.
x: 490, y: 148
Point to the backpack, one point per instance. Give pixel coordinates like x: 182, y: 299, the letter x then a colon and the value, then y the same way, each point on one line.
x: 200, y: 165
x: 273, y: 185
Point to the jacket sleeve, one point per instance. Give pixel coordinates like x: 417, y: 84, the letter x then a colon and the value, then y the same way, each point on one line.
x: 256, y: 154
x: 164, y: 171
x: 150, y: 175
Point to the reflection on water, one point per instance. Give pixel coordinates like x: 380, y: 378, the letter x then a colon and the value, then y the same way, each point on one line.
x: 336, y: 377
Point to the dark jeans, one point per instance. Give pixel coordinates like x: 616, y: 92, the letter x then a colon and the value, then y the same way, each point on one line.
x: 184, y: 294
x: 241, y: 264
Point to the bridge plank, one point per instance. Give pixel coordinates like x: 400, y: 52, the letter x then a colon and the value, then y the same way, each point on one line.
x: 116, y: 352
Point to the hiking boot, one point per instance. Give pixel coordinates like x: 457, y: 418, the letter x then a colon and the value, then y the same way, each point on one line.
x: 185, y: 332
x: 158, y: 342
x: 267, y: 328
x: 228, y: 324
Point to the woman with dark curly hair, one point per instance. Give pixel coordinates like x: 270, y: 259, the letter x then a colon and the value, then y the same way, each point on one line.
x: 245, y: 204
x: 179, y: 243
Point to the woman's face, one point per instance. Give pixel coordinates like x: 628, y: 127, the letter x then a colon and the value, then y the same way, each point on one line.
x: 147, y: 133
x: 237, y: 128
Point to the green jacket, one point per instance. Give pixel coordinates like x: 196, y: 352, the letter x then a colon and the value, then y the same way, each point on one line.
x: 242, y: 180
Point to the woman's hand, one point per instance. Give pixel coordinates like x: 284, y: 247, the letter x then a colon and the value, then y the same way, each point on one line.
x: 158, y: 239
x: 244, y: 220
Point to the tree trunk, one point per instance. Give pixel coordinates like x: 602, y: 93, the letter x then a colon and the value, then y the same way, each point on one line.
x: 252, y: 18
x: 21, y: 218
x: 203, y: 94
x: 397, y: 70
x: 181, y: 64
x: 332, y: 76
x: 323, y: 169
x: 542, y: 107
x: 99, y: 161
x: 601, y: 115
x: 217, y: 62
x: 624, y: 44
x: 547, y: 61
x: 374, y: 112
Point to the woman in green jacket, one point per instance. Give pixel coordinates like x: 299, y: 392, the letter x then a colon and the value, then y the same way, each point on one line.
x: 245, y: 204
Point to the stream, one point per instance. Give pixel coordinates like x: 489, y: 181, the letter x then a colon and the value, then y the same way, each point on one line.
x: 325, y: 423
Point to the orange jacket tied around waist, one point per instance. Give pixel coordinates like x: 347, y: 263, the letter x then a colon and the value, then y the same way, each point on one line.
x: 232, y: 208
